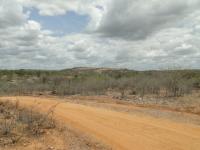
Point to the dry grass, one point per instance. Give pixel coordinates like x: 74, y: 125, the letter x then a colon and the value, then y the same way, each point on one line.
x: 27, y: 128
x: 188, y: 103
x: 17, y: 123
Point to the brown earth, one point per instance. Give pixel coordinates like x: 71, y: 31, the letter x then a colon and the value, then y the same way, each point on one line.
x: 122, y: 130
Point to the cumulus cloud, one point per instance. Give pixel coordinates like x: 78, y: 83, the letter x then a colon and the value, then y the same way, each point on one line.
x: 139, y: 18
x: 11, y: 14
x: 140, y: 34
x: 92, y: 8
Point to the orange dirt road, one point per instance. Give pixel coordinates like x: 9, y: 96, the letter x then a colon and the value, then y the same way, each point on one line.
x: 122, y: 131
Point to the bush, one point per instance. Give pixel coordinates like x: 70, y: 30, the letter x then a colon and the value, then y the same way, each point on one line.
x: 87, y: 82
x: 17, y: 122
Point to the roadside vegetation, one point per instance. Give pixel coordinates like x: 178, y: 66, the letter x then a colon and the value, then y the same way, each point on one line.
x: 18, y: 124
x: 169, y: 83
x: 26, y: 127
x: 174, y: 89
x: 177, y: 90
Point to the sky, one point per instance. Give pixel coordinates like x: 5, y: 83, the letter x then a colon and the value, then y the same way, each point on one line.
x: 133, y: 34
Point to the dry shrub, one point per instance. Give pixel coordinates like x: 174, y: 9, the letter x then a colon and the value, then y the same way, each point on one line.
x: 17, y: 122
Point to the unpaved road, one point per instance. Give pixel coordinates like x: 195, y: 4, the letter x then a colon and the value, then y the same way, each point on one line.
x: 123, y: 131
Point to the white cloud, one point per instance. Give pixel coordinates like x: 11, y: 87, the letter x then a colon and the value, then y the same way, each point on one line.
x: 137, y: 35
x: 60, y: 7
x: 140, y: 18
x: 11, y: 14
x: 32, y: 25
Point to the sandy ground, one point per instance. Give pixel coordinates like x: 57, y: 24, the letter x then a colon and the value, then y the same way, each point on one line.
x: 122, y: 130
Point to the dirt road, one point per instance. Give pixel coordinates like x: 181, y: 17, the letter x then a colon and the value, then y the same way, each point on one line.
x: 123, y: 131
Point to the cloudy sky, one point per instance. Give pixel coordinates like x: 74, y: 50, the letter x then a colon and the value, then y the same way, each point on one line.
x: 134, y: 34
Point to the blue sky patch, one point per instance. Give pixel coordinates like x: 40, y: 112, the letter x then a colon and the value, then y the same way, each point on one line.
x: 71, y: 22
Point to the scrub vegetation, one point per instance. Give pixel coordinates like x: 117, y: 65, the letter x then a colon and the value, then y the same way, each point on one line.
x: 90, y: 81
x: 18, y: 123
x: 171, y: 90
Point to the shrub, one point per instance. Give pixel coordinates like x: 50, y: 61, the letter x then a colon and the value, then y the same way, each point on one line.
x: 17, y: 122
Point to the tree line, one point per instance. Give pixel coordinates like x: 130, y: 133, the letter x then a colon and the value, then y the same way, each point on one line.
x: 168, y: 83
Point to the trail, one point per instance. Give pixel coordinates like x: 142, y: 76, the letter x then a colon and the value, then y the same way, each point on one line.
x: 122, y: 131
